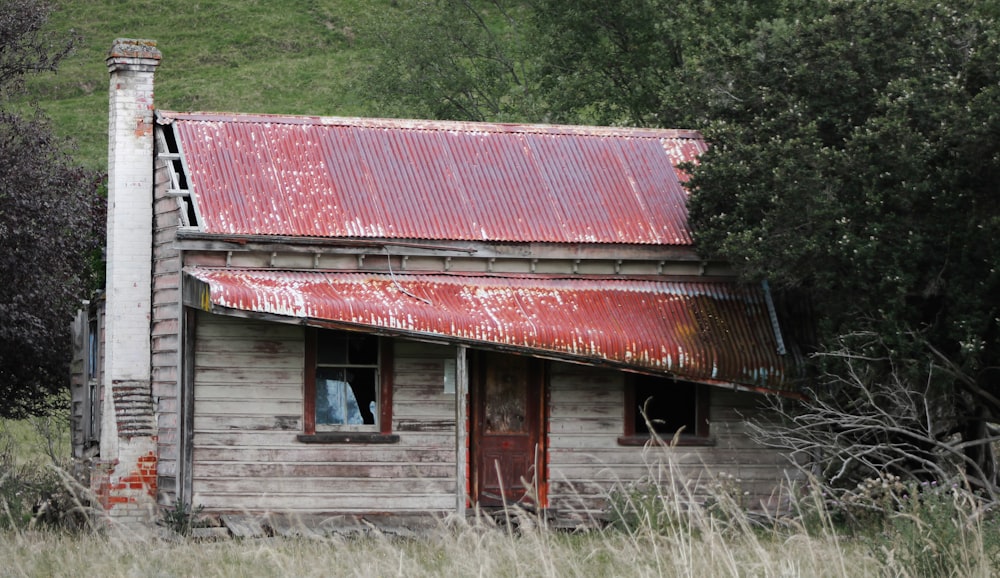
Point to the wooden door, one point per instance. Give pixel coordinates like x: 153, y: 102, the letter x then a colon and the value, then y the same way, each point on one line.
x: 507, y: 420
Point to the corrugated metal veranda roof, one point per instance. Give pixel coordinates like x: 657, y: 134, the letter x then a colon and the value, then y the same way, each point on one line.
x: 399, y: 179
x: 713, y: 332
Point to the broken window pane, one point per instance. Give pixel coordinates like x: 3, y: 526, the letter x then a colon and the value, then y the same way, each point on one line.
x: 346, y: 379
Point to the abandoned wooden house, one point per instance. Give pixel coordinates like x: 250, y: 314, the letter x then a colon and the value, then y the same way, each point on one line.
x: 371, y: 317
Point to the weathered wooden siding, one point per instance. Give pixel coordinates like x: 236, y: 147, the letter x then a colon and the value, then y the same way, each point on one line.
x: 86, y: 377
x: 164, y: 328
x: 586, y: 414
x: 248, y: 411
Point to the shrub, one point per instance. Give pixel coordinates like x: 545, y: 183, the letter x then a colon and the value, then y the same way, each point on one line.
x: 37, y: 493
x: 926, y: 528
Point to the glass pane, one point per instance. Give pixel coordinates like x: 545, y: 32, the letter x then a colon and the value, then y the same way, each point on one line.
x: 346, y: 396
x: 331, y: 399
x: 506, y: 395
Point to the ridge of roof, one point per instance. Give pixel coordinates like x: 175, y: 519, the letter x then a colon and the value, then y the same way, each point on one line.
x: 166, y: 117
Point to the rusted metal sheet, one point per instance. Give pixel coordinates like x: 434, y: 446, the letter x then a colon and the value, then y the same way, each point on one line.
x: 396, y: 179
x: 706, y: 331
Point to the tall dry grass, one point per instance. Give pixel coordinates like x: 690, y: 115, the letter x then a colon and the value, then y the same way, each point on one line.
x: 460, y: 550
x: 656, y: 529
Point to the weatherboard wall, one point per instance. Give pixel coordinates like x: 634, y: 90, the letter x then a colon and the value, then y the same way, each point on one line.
x: 585, y: 459
x: 248, y: 411
x: 165, y: 325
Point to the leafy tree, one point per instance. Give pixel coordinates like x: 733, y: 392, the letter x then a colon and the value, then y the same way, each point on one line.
x: 50, y: 224
x: 454, y: 59
x: 637, y: 62
x: 857, y: 159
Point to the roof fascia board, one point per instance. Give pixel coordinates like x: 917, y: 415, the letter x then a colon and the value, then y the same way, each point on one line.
x: 195, y: 240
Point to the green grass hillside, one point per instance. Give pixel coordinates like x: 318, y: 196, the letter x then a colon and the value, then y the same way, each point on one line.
x: 292, y: 56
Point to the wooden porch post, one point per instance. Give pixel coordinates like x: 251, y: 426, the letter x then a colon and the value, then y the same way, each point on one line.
x: 461, y: 429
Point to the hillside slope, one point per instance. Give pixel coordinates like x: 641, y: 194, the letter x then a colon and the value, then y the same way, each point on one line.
x: 294, y: 57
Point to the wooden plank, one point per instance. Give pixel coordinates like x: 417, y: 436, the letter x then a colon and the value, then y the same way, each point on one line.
x: 433, y: 389
x: 422, y: 410
x: 247, y: 392
x: 614, y: 457
x: 248, y: 422
x: 603, y: 474
x: 222, y: 326
x: 583, y: 442
x: 605, y: 426
x: 567, y: 389
x: 324, y: 503
x: 237, y: 376
x: 284, y: 344
x: 286, y: 439
x: 587, y: 410
x: 348, y: 453
x: 408, y: 392
x: 325, y: 486
x: 208, y: 470
x: 241, y: 407
x: 424, y: 425
x: 585, y: 488
x: 248, y: 359
x: 419, y: 365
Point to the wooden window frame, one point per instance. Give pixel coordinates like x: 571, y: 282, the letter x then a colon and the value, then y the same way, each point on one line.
x: 701, y: 435
x: 385, y: 372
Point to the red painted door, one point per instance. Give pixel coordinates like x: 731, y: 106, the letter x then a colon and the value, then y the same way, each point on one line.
x: 506, y: 427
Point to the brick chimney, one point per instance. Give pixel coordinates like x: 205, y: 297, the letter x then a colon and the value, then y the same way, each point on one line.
x: 125, y: 480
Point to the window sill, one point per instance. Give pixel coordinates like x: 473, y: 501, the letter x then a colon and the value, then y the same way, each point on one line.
x: 642, y: 440
x: 353, y: 437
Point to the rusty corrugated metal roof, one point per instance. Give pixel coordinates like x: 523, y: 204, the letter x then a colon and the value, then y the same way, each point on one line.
x: 717, y: 332
x: 398, y: 179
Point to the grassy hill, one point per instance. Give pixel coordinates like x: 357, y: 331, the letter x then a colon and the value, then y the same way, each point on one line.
x: 292, y: 56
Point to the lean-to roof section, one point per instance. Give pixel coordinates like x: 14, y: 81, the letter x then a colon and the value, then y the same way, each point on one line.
x: 709, y: 331
x: 398, y: 179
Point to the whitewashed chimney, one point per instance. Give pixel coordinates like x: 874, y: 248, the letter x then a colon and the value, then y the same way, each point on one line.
x: 128, y: 445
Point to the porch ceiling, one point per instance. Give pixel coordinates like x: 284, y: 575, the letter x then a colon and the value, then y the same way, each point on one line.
x: 709, y: 331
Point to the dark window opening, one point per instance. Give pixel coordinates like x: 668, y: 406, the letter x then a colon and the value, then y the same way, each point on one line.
x: 665, y: 407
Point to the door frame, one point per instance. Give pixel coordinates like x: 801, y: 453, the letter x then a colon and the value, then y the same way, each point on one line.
x: 538, y: 393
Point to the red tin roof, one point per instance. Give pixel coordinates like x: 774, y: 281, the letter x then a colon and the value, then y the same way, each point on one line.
x: 714, y: 332
x: 441, y: 180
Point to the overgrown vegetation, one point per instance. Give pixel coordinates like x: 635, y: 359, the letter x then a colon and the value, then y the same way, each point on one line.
x: 664, y: 525
x: 36, y: 488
